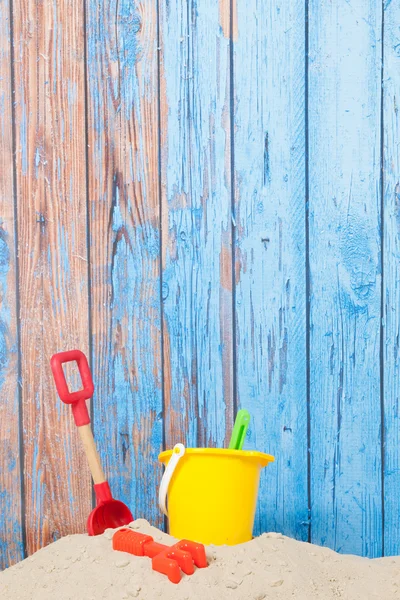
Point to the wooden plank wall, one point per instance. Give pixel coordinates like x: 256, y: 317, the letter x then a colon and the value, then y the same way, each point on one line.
x: 344, y: 99
x: 391, y: 272
x: 11, y: 490
x: 270, y: 302
x: 204, y: 198
x: 196, y: 222
x: 53, y: 284
x: 124, y: 241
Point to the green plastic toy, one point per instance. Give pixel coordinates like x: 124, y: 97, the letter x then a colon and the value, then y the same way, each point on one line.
x: 239, y: 431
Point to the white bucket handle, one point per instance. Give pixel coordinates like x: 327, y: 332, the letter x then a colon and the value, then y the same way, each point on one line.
x: 177, y: 453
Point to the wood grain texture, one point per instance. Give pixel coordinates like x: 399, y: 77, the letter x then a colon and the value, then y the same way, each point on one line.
x: 125, y: 248
x: 270, y: 253
x: 196, y: 223
x: 391, y: 274
x: 143, y: 259
x: 51, y: 203
x: 11, y: 544
x: 345, y: 275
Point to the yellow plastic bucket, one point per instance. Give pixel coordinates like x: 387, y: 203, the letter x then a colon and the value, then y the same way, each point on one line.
x: 212, y: 493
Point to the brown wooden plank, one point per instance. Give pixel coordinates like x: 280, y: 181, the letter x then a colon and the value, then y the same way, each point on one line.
x: 51, y: 195
x: 11, y: 546
x: 125, y: 239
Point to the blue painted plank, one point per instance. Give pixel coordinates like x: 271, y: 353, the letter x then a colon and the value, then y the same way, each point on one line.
x: 51, y: 210
x: 125, y: 248
x: 345, y: 275
x: 11, y: 538
x: 270, y: 252
x: 196, y: 205
x: 391, y: 275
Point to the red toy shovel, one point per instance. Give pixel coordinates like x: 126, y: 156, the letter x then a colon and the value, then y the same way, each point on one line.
x: 109, y: 513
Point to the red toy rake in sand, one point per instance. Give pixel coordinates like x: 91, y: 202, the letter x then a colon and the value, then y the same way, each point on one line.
x: 169, y: 560
x: 109, y: 513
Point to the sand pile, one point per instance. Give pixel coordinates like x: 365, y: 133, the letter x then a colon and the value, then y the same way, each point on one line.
x: 79, y: 567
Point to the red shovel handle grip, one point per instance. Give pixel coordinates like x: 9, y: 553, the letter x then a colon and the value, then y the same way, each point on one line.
x: 77, y: 399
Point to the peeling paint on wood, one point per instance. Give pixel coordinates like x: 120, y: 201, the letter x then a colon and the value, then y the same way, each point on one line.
x: 11, y: 538
x: 196, y: 235
x: 391, y: 277
x: 125, y: 248
x: 228, y: 21
x: 270, y: 255
x: 345, y: 276
x: 51, y: 209
x: 167, y: 78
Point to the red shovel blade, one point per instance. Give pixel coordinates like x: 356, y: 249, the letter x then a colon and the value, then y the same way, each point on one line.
x: 109, y: 513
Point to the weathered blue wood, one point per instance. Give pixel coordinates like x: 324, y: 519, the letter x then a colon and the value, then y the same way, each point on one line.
x: 269, y: 143
x: 345, y: 275
x: 391, y: 275
x: 269, y: 222
x: 125, y: 248
x: 196, y: 226
x: 11, y: 543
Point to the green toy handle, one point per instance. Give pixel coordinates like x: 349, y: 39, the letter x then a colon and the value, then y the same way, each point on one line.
x: 239, y: 431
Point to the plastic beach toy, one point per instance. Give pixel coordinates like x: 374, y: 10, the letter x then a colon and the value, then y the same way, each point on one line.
x: 239, y: 430
x: 212, y: 493
x: 109, y: 513
x: 169, y: 560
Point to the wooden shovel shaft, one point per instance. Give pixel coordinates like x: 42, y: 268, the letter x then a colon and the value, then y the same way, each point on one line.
x: 85, y: 431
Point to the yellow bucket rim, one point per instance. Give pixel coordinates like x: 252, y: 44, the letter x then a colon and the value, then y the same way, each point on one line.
x: 262, y: 458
